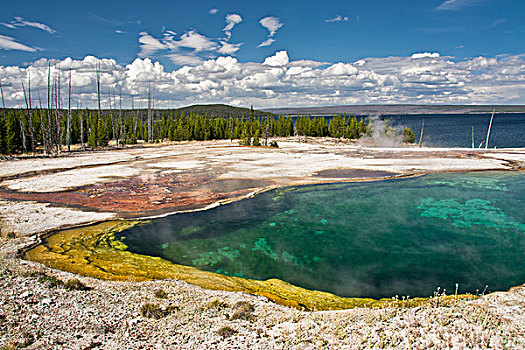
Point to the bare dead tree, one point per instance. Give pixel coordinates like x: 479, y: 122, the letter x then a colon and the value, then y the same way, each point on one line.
x: 49, y: 135
x: 3, y: 101
x: 121, y: 132
x: 68, y: 124
x: 54, y: 110
x: 490, y: 127
x: 150, y: 133
x: 42, y: 128
x: 134, y: 118
x: 22, y: 128
x: 23, y: 133
x: 58, y: 110
x: 30, y: 114
x: 28, y: 111
x: 113, y: 126
x: 98, y: 89
x: 81, y: 117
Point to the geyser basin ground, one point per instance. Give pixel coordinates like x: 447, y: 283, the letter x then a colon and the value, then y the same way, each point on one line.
x: 379, y: 239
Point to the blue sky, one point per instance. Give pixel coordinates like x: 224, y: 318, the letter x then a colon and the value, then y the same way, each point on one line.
x: 180, y: 34
x: 465, y: 28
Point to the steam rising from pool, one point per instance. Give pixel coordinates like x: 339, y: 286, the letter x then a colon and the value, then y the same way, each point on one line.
x: 379, y: 239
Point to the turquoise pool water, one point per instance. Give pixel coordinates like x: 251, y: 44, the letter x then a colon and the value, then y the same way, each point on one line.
x: 376, y: 239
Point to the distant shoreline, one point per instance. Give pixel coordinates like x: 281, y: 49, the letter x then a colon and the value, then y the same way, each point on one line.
x: 396, y: 109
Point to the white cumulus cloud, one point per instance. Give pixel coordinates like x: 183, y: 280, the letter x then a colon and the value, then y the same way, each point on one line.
x: 279, y: 81
x: 279, y: 59
x: 213, y: 11
x: 425, y: 55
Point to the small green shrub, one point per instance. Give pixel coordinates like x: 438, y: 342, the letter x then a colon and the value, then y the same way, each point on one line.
x: 256, y: 142
x: 247, y: 141
x: 50, y: 281
x: 274, y: 144
x: 408, y: 135
x: 75, y: 284
x: 217, y: 304
x: 226, y: 332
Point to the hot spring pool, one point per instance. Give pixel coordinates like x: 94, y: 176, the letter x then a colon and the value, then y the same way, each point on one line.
x: 375, y: 239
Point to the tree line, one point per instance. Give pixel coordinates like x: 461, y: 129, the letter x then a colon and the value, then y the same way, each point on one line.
x: 91, y: 129
x: 39, y: 131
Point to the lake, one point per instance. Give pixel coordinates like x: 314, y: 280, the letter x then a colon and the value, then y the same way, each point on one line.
x: 455, y: 130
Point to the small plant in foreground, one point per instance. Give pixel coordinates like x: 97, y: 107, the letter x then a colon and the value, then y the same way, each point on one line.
x: 226, y: 332
x: 274, y: 144
x: 217, y: 304
x: 27, y: 340
x: 75, y: 284
x: 50, y: 281
x: 242, y: 310
x: 153, y: 310
x: 161, y: 294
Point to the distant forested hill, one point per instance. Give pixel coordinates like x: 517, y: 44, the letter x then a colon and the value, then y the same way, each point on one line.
x: 221, y: 110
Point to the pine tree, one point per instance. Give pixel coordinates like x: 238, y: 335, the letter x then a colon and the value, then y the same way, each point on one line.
x: 13, y: 142
x: 3, y: 148
x: 408, y: 135
x: 102, y: 133
x: 256, y: 141
x: 93, y: 126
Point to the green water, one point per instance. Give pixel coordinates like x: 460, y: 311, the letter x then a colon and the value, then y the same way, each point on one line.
x: 377, y: 239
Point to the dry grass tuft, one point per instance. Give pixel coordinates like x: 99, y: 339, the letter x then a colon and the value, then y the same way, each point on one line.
x: 226, y: 332
x: 154, y: 310
x: 161, y: 294
x: 242, y: 311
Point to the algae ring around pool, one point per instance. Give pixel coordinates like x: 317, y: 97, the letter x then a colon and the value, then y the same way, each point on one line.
x: 366, y: 240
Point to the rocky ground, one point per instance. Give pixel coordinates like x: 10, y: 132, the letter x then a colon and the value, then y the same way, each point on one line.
x: 41, y: 308
x: 38, y: 312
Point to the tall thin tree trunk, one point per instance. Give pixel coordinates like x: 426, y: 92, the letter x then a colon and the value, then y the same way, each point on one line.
x: 98, y: 89
x: 81, y: 117
x: 133, y: 116
x: 121, y: 132
x: 42, y: 128
x: 30, y: 115
x: 490, y: 127
x: 421, y: 136
x: 113, y: 126
x: 68, y: 125
x: 23, y: 133
x: 55, y: 113
x: 3, y: 101
x: 149, y: 114
x: 28, y: 109
x: 59, y: 112
x: 49, y: 136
